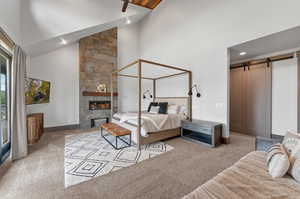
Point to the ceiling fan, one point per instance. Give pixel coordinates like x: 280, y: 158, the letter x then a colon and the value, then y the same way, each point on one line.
x: 125, y: 5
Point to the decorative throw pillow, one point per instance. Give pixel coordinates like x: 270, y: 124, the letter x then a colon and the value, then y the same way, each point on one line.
x: 295, y: 170
x: 173, y: 109
x: 152, y: 104
x: 291, y: 142
x: 277, y: 161
x: 154, y: 109
x: 163, y: 107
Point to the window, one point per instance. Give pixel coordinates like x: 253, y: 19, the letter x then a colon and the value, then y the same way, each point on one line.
x: 5, y: 134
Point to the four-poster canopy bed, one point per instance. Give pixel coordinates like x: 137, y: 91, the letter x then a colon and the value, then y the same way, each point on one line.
x: 183, y: 101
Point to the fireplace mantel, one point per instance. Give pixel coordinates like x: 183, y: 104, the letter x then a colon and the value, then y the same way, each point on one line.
x: 96, y: 94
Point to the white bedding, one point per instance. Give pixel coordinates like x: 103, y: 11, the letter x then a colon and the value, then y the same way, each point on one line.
x: 151, y: 123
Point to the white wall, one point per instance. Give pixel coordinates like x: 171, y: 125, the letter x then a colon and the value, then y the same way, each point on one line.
x: 197, y: 35
x: 128, y: 51
x: 284, y: 96
x: 61, y: 68
x: 10, y: 18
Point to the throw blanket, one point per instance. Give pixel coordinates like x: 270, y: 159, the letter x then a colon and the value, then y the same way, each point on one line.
x: 148, y: 120
x: 247, y: 179
x: 152, y: 122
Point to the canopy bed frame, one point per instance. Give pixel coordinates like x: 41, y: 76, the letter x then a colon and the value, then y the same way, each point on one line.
x: 157, y: 136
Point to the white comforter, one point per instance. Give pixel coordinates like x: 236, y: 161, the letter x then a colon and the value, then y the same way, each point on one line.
x: 152, y: 122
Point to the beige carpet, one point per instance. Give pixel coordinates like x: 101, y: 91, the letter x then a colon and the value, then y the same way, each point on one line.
x: 170, y: 175
x: 89, y: 156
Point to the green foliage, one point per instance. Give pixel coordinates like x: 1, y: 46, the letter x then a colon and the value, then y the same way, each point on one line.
x: 3, y: 97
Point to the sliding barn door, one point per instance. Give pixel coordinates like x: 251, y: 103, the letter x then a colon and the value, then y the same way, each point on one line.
x: 250, y: 100
x: 237, y: 95
x: 258, y: 100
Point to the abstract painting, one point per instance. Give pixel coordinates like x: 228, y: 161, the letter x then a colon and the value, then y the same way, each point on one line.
x: 37, y: 91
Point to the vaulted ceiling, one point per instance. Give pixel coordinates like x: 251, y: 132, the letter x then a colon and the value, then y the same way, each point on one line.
x: 45, y: 24
x: 151, y: 4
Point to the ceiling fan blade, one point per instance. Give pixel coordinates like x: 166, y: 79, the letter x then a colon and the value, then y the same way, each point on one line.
x: 125, y: 5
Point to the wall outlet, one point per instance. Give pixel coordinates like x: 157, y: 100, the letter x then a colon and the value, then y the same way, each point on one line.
x: 219, y: 105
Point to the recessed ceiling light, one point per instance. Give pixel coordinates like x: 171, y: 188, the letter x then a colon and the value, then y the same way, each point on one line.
x: 63, y: 42
x: 243, y: 53
x: 128, y: 21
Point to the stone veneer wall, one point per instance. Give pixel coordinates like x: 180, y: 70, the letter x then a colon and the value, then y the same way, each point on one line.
x: 98, y: 58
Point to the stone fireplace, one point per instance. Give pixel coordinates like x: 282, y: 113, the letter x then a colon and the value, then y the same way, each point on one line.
x: 98, y: 58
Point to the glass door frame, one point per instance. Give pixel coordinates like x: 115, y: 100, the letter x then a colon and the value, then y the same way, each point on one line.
x: 5, y: 148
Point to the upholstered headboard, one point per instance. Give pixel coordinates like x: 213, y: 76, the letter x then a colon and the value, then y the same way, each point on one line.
x: 180, y: 101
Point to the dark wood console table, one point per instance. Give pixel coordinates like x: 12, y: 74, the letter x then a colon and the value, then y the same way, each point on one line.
x: 204, y: 132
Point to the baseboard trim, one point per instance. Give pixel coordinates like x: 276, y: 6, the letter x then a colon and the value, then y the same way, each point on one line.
x: 61, y: 128
x: 225, y: 140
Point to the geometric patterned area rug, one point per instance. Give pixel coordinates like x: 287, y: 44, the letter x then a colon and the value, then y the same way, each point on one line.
x: 89, y: 155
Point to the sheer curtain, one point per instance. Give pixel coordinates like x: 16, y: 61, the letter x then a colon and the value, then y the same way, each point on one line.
x: 18, y: 114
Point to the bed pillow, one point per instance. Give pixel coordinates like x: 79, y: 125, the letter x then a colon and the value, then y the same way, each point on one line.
x: 152, y: 104
x: 291, y: 143
x: 277, y: 161
x: 182, y: 109
x: 183, y: 112
x: 163, y: 107
x: 173, y: 109
x: 154, y: 109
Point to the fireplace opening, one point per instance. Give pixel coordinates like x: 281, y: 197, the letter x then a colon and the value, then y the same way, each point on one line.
x: 97, y: 122
x: 99, y: 105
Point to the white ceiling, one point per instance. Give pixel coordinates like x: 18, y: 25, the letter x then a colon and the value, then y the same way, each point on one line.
x: 42, y: 47
x: 45, y: 23
x: 285, y: 40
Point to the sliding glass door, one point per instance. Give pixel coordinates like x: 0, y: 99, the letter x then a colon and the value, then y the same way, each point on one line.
x: 5, y: 138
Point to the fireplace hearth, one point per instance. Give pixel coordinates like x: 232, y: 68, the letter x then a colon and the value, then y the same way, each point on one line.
x: 99, y: 105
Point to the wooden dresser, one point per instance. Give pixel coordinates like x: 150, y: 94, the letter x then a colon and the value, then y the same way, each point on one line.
x: 35, y: 127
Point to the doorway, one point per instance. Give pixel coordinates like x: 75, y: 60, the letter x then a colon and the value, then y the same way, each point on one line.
x: 264, y: 85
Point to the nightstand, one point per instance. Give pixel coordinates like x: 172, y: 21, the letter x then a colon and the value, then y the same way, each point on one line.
x: 203, y: 132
